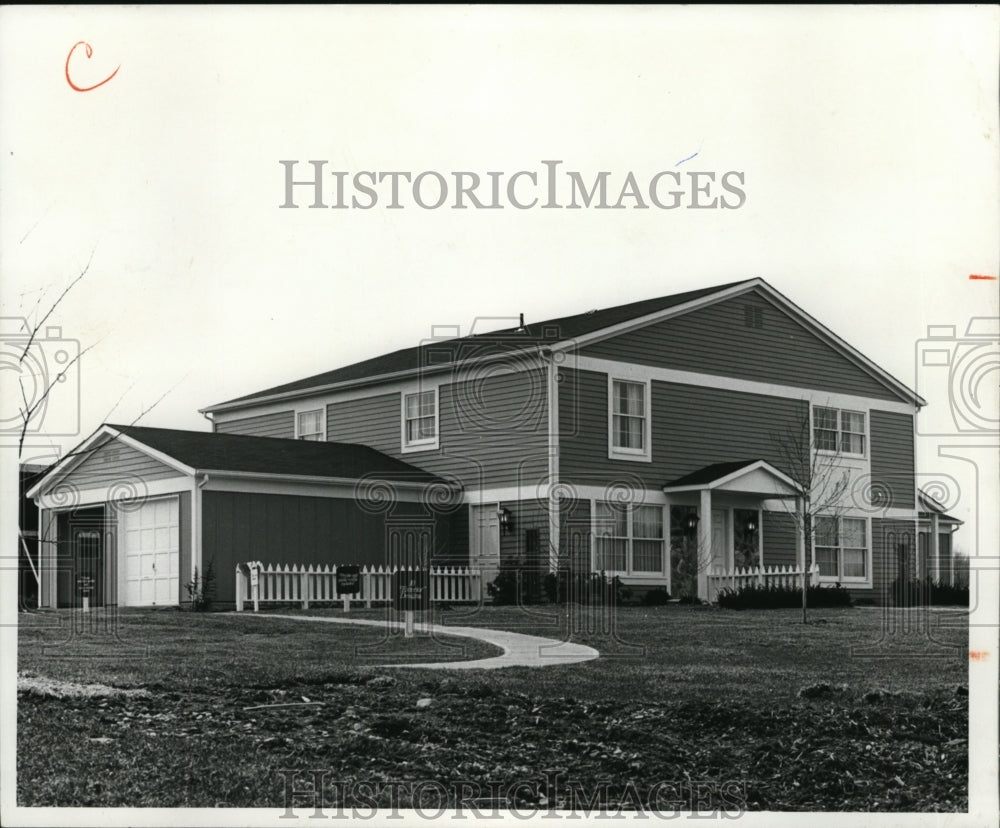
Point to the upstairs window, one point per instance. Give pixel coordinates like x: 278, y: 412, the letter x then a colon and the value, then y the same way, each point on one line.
x: 629, y: 420
x: 420, y: 420
x: 839, y: 431
x: 309, y: 425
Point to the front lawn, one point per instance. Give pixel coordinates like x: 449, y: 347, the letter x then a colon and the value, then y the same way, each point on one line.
x: 856, y: 711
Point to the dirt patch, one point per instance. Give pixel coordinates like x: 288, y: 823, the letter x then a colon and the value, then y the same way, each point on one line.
x: 42, y: 686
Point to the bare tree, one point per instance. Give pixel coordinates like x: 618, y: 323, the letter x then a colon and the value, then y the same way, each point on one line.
x: 824, y: 479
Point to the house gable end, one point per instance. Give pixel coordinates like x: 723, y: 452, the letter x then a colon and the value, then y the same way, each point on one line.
x: 750, y: 336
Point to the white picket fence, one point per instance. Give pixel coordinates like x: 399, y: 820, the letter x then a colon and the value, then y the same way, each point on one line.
x: 305, y: 585
x: 762, y: 576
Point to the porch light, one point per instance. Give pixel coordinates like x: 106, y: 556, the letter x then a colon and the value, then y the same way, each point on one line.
x: 691, y: 522
x: 506, y: 520
x: 751, y: 525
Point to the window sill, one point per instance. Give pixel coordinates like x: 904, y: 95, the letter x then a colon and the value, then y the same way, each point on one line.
x: 426, y: 445
x: 634, y: 456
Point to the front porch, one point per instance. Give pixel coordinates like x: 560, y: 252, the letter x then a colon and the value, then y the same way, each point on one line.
x: 717, y: 537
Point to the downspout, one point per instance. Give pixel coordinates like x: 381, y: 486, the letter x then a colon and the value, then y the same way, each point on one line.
x: 552, y: 383
x: 196, y: 521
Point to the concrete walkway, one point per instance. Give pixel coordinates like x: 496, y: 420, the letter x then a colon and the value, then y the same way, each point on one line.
x: 518, y: 650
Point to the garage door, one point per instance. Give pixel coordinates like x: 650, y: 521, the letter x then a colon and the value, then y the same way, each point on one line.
x: 151, y: 541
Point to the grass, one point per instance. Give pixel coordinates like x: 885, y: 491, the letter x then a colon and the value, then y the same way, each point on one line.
x: 679, y: 694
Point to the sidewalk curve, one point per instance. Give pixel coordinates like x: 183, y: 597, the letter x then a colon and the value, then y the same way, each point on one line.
x: 519, y: 650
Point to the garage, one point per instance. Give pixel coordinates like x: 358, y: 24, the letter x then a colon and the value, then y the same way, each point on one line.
x: 150, y: 539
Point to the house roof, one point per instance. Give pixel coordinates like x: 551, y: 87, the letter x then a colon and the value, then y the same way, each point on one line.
x: 560, y: 332
x: 929, y: 507
x: 495, y: 343
x: 724, y: 475
x: 197, y: 451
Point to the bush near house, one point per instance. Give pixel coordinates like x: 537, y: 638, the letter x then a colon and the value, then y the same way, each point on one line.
x: 927, y: 592
x: 514, y: 586
x: 755, y: 596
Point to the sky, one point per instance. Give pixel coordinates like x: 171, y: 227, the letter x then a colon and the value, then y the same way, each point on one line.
x: 866, y: 139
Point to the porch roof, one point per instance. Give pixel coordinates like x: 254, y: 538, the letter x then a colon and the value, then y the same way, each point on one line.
x: 745, y: 476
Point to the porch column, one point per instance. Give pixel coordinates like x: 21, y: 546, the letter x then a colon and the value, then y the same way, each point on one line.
x: 704, y: 543
x: 800, y: 537
x: 47, y: 538
x: 936, y: 544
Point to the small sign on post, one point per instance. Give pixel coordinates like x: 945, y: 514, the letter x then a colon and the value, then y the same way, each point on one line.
x: 85, y: 584
x: 411, y: 591
x: 254, y: 567
x: 348, y: 583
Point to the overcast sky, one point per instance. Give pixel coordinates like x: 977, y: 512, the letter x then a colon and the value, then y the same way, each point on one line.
x: 866, y: 139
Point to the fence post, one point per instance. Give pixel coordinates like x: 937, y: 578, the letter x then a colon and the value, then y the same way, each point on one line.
x: 241, y: 587
x: 307, y: 591
x: 367, y: 586
x: 255, y: 585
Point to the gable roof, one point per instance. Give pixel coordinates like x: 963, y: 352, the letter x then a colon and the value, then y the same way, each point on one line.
x: 566, y: 331
x: 930, y: 507
x: 196, y: 452
x: 717, y: 475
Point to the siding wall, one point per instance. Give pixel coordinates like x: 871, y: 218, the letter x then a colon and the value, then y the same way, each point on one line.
x: 691, y: 428
x: 779, y: 539
x: 716, y: 340
x: 286, y: 529
x: 887, y: 538
x: 892, y: 456
x: 117, y: 463
x: 494, y: 431
x: 574, y: 534
x: 280, y: 424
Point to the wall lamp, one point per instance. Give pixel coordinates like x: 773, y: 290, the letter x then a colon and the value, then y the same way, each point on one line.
x: 506, y: 520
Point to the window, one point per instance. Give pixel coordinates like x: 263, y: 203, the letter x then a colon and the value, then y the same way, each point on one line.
x: 420, y: 420
x: 841, y: 548
x: 629, y: 420
x: 309, y: 425
x: 628, y: 539
x: 840, y: 431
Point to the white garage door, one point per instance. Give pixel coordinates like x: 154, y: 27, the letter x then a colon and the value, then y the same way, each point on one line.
x: 151, y: 543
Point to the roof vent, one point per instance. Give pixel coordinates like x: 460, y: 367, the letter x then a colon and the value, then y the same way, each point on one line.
x: 753, y: 316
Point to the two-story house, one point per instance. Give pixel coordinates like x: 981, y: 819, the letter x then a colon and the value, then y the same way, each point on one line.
x: 658, y: 441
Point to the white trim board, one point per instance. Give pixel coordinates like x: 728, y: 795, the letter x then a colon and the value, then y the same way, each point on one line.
x: 631, y: 370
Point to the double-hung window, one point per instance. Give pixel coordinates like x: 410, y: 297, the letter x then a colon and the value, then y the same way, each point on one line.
x: 309, y: 425
x: 841, y: 548
x: 628, y: 539
x: 839, y: 431
x: 420, y: 420
x: 629, y: 420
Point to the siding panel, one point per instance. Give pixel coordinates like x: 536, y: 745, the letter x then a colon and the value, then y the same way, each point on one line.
x: 280, y: 424
x: 691, y: 427
x: 779, y: 539
x: 305, y: 530
x: 716, y: 340
x: 894, y: 549
x: 494, y: 430
x: 892, y: 456
x: 116, y: 463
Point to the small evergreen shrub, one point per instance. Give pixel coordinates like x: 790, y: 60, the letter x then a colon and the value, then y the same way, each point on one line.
x: 656, y: 597
x: 201, y: 589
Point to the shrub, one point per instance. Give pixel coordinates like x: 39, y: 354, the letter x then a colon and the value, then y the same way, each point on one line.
x: 201, y: 589
x: 927, y: 592
x: 592, y: 588
x: 504, y: 588
x: 656, y: 597
x: 755, y: 596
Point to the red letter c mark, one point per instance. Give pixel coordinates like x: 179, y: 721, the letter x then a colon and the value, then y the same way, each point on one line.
x: 90, y: 52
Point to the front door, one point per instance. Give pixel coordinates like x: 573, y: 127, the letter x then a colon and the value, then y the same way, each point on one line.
x: 484, y: 549
x: 720, y: 541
